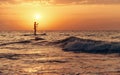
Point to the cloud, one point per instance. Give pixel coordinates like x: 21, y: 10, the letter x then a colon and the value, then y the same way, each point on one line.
x: 87, y: 1
x: 55, y: 2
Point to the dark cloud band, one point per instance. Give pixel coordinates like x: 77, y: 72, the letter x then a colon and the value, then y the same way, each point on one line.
x: 63, y: 1
x: 87, y: 1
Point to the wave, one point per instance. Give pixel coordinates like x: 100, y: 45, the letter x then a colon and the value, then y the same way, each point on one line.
x: 23, y: 41
x: 75, y: 44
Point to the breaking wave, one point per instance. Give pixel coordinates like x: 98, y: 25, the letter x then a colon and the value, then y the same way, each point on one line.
x: 75, y: 44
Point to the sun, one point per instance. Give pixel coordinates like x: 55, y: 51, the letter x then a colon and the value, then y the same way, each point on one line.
x: 37, y: 16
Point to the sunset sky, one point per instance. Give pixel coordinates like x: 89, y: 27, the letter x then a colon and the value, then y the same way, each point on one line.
x: 60, y: 14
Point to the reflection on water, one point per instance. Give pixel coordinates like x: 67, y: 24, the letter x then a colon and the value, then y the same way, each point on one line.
x: 35, y: 59
x: 30, y: 70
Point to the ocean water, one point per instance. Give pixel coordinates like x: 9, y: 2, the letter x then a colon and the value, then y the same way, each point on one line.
x: 60, y: 53
x: 112, y: 36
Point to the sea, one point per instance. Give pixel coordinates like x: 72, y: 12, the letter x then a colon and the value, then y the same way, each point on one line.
x: 60, y: 53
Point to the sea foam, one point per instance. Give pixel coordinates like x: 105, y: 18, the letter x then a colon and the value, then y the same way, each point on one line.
x: 90, y: 46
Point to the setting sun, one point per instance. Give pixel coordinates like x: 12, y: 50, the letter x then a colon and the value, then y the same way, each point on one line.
x: 67, y: 15
x: 37, y: 17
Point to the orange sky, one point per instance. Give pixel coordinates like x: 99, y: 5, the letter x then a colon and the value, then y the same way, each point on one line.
x: 60, y: 15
